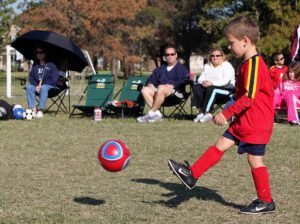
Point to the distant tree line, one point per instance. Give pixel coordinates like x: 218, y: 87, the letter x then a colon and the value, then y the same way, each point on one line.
x: 128, y: 29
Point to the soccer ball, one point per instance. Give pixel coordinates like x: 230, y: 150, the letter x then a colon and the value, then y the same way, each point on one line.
x: 114, y: 155
x: 16, y: 106
x: 18, y: 113
x: 28, y: 114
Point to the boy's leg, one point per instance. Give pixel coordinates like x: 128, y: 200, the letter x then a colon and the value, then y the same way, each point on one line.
x: 189, y: 175
x: 264, y: 203
x: 211, y: 156
x: 260, y: 177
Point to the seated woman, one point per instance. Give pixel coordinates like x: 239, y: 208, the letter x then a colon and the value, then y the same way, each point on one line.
x: 216, y: 82
x: 289, y: 95
x: 42, y: 77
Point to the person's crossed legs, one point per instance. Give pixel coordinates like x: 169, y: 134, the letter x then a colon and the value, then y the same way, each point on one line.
x: 154, y: 98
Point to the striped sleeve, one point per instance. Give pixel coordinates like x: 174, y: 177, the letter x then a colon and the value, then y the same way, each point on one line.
x: 251, y: 78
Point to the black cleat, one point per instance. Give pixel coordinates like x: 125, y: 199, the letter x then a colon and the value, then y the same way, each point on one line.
x: 259, y: 207
x: 184, y: 173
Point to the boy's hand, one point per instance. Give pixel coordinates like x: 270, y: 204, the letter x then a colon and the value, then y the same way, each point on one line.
x: 220, y: 119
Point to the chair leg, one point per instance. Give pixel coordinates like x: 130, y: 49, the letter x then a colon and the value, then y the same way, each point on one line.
x: 72, y: 113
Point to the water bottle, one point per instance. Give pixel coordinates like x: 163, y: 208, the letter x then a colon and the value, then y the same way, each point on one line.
x: 97, y: 114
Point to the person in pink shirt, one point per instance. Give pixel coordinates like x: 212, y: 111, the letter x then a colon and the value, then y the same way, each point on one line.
x: 289, y: 94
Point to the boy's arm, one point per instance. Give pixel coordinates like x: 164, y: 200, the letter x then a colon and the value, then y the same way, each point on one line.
x: 239, y: 106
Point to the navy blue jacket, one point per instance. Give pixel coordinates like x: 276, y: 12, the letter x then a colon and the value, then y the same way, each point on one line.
x: 176, y: 76
x: 50, y: 76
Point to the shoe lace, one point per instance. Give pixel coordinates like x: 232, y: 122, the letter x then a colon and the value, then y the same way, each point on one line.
x: 187, y: 163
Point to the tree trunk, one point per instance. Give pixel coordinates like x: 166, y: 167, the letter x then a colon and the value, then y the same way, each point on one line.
x: 114, y: 68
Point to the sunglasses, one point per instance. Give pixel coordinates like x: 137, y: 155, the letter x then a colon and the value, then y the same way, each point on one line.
x: 280, y: 59
x: 172, y: 54
x: 39, y: 52
x: 215, y: 56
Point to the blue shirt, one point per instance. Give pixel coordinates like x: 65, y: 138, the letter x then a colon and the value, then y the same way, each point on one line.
x: 50, y: 76
x: 176, y: 76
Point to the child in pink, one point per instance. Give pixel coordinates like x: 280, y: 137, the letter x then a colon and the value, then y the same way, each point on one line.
x: 289, y: 94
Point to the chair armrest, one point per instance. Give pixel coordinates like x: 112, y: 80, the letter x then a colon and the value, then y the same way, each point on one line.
x: 189, y: 82
x: 140, y: 87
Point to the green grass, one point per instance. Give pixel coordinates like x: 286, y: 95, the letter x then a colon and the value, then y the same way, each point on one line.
x: 50, y: 173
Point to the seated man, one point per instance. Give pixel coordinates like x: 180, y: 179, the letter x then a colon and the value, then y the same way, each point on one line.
x: 43, y: 76
x: 161, y: 84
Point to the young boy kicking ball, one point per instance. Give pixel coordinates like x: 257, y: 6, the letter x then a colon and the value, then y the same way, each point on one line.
x: 253, y: 123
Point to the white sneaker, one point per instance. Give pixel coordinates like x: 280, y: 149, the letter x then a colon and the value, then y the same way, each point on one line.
x: 39, y: 114
x: 143, y: 119
x: 155, y: 118
x: 206, y: 117
x: 198, y: 117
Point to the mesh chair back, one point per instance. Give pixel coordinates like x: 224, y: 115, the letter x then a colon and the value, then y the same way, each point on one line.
x: 130, y: 90
x: 100, y: 90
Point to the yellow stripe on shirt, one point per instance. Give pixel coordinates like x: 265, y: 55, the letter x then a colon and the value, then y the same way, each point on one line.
x: 252, y: 77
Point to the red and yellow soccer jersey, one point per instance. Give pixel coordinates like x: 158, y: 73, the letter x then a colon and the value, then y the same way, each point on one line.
x: 253, y: 109
x: 276, y: 74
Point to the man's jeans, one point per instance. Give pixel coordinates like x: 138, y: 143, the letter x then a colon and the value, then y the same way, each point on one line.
x: 43, y: 95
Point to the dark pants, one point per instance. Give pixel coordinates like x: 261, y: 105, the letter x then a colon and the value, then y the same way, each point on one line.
x: 205, y: 98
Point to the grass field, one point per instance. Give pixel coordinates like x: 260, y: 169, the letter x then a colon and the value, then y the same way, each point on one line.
x: 50, y: 173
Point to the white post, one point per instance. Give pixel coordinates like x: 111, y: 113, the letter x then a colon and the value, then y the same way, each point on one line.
x: 87, y: 55
x: 8, y: 71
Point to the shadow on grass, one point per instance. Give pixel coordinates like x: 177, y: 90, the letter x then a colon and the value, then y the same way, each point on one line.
x: 88, y: 201
x: 179, y: 194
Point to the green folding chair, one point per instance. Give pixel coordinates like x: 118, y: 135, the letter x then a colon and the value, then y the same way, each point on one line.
x: 98, y: 92
x: 131, y: 101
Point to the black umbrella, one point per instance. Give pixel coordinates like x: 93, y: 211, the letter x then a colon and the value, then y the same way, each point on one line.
x: 60, y: 50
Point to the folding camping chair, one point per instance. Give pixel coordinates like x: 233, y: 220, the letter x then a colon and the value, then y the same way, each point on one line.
x: 98, y: 93
x: 131, y: 101
x: 226, y: 98
x: 57, y: 96
x: 178, y: 100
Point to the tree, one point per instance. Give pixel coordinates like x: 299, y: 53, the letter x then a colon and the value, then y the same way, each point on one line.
x: 122, y: 30
x: 6, y: 18
x: 276, y: 20
x: 103, y: 27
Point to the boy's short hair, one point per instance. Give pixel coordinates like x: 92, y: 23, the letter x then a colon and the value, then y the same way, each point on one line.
x: 243, y: 26
x: 275, y: 56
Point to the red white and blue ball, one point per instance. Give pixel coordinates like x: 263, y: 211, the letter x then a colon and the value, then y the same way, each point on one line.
x: 114, y: 155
